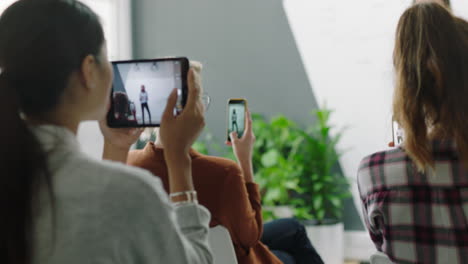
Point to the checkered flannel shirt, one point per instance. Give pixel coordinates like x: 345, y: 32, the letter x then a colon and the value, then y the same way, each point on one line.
x: 416, y: 217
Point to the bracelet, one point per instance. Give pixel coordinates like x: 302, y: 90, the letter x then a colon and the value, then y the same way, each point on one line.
x: 190, y: 197
x: 177, y: 204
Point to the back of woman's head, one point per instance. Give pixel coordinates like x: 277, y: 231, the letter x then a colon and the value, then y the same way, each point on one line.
x: 431, y: 63
x: 42, y: 42
x: 121, y: 104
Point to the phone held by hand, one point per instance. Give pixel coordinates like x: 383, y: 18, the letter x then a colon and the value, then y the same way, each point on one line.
x: 141, y: 88
x: 236, y: 117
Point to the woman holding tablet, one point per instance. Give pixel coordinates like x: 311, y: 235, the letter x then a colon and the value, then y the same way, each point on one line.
x: 60, y: 206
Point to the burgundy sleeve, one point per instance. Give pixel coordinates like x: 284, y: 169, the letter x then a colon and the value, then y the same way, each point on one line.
x: 241, y: 209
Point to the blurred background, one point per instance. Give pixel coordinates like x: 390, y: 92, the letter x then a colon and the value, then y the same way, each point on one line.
x: 288, y: 58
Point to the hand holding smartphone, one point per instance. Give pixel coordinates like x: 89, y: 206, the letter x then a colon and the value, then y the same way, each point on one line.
x: 236, y: 117
x: 244, y: 144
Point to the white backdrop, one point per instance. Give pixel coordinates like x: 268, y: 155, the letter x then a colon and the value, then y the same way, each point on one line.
x: 158, y: 84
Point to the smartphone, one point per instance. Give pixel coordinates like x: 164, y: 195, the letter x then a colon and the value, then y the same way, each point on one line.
x: 236, y: 117
x: 141, y: 88
x: 398, y: 134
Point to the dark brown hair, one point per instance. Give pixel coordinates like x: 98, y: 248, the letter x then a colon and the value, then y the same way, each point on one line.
x: 42, y: 42
x: 431, y: 64
x: 122, y: 104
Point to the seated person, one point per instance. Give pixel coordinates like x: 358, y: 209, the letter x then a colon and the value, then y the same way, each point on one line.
x: 59, y: 205
x: 415, y: 197
x: 231, y: 195
x: 123, y: 113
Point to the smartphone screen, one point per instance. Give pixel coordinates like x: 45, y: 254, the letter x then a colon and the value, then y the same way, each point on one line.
x: 398, y: 134
x: 141, y: 88
x: 236, y: 117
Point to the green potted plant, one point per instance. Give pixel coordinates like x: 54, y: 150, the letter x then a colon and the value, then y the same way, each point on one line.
x: 322, y: 189
x: 298, y: 168
x: 276, y: 170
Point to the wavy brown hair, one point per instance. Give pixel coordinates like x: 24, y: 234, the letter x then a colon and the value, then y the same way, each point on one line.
x: 431, y: 65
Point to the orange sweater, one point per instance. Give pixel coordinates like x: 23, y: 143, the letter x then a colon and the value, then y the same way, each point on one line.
x: 221, y: 188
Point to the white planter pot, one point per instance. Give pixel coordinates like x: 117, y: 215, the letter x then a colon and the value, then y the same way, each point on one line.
x: 328, y: 240
x: 283, y: 211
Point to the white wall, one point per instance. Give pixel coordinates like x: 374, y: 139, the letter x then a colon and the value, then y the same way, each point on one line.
x: 346, y: 47
x: 460, y: 8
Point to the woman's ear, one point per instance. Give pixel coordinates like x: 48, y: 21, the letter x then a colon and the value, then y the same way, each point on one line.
x: 88, y: 72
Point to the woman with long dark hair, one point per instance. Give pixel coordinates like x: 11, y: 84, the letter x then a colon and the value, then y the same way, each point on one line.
x: 58, y: 205
x: 415, y: 197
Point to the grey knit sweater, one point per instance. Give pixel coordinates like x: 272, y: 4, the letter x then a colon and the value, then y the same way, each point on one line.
x: 106, y: 212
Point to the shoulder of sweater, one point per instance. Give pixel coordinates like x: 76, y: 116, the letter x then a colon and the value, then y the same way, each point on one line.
x: 119, y: 176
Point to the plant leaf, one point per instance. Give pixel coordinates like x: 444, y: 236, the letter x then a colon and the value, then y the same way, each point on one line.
x: 270, y: 158
x: 272, y: 194
x: 317, y: 187
x: 318, y: 202
x: 320, y: 214
x: 336, y: 202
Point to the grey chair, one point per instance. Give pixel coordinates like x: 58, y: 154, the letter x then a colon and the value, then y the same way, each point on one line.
x: 221, y: 245
x: 380, y: 258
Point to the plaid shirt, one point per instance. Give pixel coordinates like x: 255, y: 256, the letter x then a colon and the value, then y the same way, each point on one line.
x: 416, y: 217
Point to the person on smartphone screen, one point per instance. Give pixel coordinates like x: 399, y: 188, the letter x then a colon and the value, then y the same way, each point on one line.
x: 144, y: 103
x: 58, y: 204
x: 229, y: 191
x: 234, y: 121
x: 400, y: 135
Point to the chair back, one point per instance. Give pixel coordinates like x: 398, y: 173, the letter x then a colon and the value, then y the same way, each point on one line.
x: 380, y: 258
x: 221, y: 245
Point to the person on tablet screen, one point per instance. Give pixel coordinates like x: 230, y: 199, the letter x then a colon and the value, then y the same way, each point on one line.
x: 144, y: 103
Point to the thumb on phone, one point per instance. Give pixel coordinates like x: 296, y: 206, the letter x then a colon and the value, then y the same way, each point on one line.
x: 171, y: 104
x: 234, y: 137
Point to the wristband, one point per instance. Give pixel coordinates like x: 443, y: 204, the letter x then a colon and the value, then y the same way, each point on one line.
x: 188, y: 197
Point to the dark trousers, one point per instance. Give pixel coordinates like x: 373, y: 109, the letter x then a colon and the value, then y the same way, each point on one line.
x: 236, y: 129
x: 143, y: 106
x: 287, y: 239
